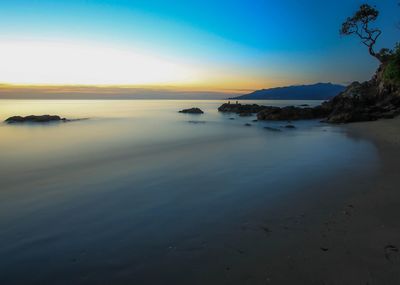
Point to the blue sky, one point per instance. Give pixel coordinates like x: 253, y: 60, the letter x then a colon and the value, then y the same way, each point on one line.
x: 210, y: 44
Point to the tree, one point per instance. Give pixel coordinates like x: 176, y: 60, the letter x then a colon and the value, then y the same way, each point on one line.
x: 358, y: 25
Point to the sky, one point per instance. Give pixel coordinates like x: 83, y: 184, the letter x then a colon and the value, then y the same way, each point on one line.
x: 218, y: 46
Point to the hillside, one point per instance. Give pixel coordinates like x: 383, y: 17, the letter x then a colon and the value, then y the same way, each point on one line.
x: 319, y: 91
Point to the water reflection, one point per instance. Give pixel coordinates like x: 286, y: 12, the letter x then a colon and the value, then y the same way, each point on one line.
x: 116, y: 192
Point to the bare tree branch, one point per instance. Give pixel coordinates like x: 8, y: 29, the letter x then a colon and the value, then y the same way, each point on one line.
x: 358, y: 24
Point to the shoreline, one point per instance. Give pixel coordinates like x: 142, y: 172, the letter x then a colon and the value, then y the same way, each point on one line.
x: 360, y: 242
x: 339, y: 230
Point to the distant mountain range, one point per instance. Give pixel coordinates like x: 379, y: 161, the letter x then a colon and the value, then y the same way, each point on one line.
x: 319, y: 91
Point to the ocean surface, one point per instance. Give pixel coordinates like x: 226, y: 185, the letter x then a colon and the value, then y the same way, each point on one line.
x: 141, y: 194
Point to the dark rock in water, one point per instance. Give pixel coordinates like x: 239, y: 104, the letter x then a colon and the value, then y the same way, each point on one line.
x: 35, y: 119
x: 290, y: 127
x: 197, y: 122
x: 255, y: 121
x: 292, y: 113
x: 247, y: 125
x: 192, y: 111
x: 304, y: 105
x: 231, y: 118
x: 242, y: 110
x: 272, y: 129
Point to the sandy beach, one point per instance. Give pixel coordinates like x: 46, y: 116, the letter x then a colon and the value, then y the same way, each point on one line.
x: 358, y: 243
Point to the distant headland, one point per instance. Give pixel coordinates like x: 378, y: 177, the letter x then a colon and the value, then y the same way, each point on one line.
x: 318, y: 91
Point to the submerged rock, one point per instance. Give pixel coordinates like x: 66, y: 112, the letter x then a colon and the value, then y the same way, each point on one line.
x: 272, y: 129
x: 290, y: 127
x: 192, y: 111
x: 35, y: 119
x: 247, y: 125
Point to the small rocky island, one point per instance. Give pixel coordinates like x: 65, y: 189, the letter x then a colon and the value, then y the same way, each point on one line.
x: 35, y: 119
x: 192, y: 111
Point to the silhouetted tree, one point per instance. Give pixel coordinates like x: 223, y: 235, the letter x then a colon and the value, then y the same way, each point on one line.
x: 398, y: 24
x: 358, y: 25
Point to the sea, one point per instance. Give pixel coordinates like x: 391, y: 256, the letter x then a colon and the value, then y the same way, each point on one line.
x: 134, y: 192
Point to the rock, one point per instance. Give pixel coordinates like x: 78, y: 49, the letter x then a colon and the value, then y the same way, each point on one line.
x: 368, y: 101
x: 35, y: 119
x: 255, y: 121
x: 242, y: 110
x: 192, y: 111
x: 272, y: 129
x: 247, y: 125
x: 292, y: 113
x: 290, y: 127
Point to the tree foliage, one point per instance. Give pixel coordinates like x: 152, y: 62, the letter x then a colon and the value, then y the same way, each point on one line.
x: 359, y: 24
x: 392, y: 71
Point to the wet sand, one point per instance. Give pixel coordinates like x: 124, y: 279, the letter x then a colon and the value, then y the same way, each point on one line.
x: 358, y: 241
x: 347, y: 234
x: 340, y: 230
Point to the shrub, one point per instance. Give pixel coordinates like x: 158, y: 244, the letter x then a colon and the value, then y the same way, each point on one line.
x: 392, y: 70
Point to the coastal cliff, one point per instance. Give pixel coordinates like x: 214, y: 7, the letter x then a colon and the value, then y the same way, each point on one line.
x: 370, y: 100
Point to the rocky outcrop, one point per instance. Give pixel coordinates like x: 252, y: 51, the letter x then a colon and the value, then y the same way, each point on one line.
x: 192, y: 111
x: 366, y: 101
x: 35, y: 119
x: 372, y: 100
x: 275, y: 113
x: 292, y: 113
x: 242, y: 110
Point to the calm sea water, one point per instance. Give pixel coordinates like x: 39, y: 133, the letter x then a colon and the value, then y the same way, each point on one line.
x: 141, y: 193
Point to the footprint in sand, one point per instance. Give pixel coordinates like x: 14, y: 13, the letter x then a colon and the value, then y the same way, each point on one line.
x: 392, y: 253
